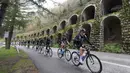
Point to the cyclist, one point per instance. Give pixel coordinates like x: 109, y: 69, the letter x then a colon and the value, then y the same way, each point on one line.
x: 79, y: 40
x: 64, y: 42
x: 41, y: 42
x: 48, y: 42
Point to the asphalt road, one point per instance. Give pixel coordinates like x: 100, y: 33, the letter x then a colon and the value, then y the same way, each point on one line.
x: 112, y: 63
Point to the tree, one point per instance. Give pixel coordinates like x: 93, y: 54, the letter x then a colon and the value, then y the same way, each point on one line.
x: 4, y: 4
x: 13, y: 19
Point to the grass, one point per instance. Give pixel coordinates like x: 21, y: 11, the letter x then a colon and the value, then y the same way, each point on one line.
x: 12, y: 62
x: 2, y: 40
x: 112, y: 47
x: 7, y: 53
x: 24, y: 66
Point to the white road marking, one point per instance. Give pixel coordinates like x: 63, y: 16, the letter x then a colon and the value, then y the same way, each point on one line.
x: 116, y: 64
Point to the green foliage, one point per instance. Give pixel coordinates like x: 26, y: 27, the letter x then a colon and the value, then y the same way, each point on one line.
x: 23, y: 65
x: 112, y: 47
x: 78, y: 11
x: 13, y: 16
x: 2, y: 39
x: 12, y: 62
x: 55, y: 45
x: 5, y: 53
x: 125, y: 12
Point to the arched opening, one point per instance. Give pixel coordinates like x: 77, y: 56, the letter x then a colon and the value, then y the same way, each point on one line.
x: 31, y: 35
x: 69, y: 34
x: 59, y: 38
x: 63, y: 24
x: 88, y: 13
x: 44, y: 38
x: 25, y: 37
x: 34, y: 34
x: 48, y: 32
x: 87, y: 27
x: 73, y: 19
x: 38, y: 34
x: 17, y: 37
x: 112, y: 29
x: 110, y: 6
x: 51, y: 37
x: 21, y: 37
x: 54, y: 29
x: 43, y: 32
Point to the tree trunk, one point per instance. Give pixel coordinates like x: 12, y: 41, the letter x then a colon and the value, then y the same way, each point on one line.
x: 6, y: 40
x: 10, y: 37
x: 2, y: 12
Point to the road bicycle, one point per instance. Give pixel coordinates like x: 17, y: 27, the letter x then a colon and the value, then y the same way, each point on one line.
x: 63, y: 51
x: 48, y: 51
x: 92, y: 61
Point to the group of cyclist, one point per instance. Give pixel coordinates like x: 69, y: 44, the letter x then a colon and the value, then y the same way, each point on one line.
x: 79, y: 41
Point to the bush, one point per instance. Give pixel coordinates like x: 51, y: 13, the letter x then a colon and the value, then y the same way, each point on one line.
x: 112, y: 47
x: 55, y: 45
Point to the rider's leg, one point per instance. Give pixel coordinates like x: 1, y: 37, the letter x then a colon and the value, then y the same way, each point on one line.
x: 62, y: 48
x: 81, y: 54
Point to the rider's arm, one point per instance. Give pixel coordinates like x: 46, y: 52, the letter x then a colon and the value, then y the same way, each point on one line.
x: 86, y: 38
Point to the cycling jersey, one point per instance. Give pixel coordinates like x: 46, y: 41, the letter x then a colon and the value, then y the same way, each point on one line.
x: 64, y: 40
x: 48, y: 41
x: 79, y: 40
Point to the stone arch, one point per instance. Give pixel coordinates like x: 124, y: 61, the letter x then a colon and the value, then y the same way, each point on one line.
x: 54, y: 29
x: 44, y: 38
x: 38, y: 34
x: 25, y: 37
x: 51, y: 37
x: 110, y: 6
x: 17, y: 37
x: 73, y: 19
x: 48, y: 31
x: 87, y: 27
x: 21, y: 37
x: 43, y: 32
x: 31, y: 35
x: 59, y: 37
x: 112, y: 29
x: 88, y: 13
x: 34, y: 34
x: 70, y: 34
x: 63, y: 24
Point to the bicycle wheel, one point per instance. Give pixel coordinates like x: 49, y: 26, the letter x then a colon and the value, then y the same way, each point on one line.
x: 59, y: 53
x: 50, y: 52
x: 36, y: 48
x: 42, y: 50
x: 45, y: 52
x: 94, y: 64
x: 67, y: 55
x: 75, y: 58
x: 39, y: 50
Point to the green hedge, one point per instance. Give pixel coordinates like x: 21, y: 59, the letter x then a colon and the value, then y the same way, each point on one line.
x: 112, y: 47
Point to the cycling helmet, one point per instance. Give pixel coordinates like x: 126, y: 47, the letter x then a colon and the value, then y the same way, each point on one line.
x: 82, y: 30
